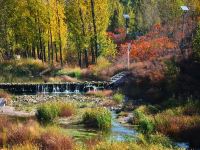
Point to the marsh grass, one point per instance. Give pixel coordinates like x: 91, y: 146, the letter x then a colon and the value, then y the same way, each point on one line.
x: 20, y: 70
x: 103, y: 93
x: 6, y: 96
x: 99, y: 118
x: 67, y: 109
x: 48, y: 112
x: 72, y: 72
x: 118, y: 98
x: 31, y: 135
x: 180, y: 121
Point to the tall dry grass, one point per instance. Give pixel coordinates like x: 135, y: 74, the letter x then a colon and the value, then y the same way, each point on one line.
x: 30, y: 135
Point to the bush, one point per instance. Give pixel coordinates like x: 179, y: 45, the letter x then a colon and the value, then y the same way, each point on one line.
x: 72, y: 72
x: 160, y: 139
x: 47, y: 112
x: 17, y: 134
x: 98, y: 118
x: 130, y: 146
x: 118, y: 98
x: 144, y: 122
x: 54, y: 141
x: 27, y: 146
x: 23, y: 67
x: 67, y: 109
x: 103, y: 93
x: 31, y: 136
x: 117, y: 146
x: 102, y: 63
x: 172, y: 72
x: 20, y: 70
x: 6, y: 96
x: 196, y: 45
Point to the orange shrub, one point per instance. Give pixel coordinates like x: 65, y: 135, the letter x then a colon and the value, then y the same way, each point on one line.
x: 103, y: 93
x: 149, y: 46
x: 5, y: 95
x: 52, y: 141
x: 67, y: 109
x: 174, y: 125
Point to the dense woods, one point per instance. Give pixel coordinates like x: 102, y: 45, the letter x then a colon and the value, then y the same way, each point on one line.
x: 76, y: 31
x: 99, y: 74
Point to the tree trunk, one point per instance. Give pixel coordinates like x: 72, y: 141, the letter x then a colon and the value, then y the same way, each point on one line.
x: 38, y: 52
x: 80, y: 59
x: 33, y: 51
x: 44, y: 53
x: 51, y: 39
x: 83, y: 31
x: 86, y: 58
x: 59, y: 35
x: 56, y: 52
x: 92, y: 52
x: 79, y: 53
x: 49, y: 52
x: 95, y: 29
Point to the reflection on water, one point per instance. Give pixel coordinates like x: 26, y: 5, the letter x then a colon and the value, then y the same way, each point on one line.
x: 117, y: 133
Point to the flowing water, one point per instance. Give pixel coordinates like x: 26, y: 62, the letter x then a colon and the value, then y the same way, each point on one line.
x: 118, y: 132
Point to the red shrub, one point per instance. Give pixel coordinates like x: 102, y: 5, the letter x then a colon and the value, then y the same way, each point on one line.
x: 5, y: 95
x: 18, y: 135
x: 50, y: 141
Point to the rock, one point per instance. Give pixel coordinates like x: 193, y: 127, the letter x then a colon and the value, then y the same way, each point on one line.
x: 2, y: 102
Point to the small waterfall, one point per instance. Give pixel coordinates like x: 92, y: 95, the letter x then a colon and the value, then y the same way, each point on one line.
x: 38, y: 88
x: 58, y: 89
x: 67, y: 90
x: 54, y: 89
x: 90, y: 88
x: 45, y: 89
x: 77, y: 89
x: 23, y: 89
x: 42, y: 89
x: 94, y: 88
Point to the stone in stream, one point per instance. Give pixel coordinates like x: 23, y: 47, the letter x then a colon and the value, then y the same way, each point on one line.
x: 2, y: 102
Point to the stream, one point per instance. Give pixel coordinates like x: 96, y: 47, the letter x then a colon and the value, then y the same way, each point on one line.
x: 118, y: 132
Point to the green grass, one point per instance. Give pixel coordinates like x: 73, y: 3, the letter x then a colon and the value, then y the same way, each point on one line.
x: 47, y: 112
x: 118, y: 98
x: 24, y: 70
x: 145, y: 123
x: 175, y: 118
x: 99, y: 118
x: 72, y: 72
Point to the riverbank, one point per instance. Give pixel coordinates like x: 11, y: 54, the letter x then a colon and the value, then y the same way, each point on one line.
x: 122, y: 129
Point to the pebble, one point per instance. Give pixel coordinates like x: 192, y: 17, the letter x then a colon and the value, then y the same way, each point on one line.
x: 34, y: 99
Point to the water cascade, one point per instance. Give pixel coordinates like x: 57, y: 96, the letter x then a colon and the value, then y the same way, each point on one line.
x: 28, y: 88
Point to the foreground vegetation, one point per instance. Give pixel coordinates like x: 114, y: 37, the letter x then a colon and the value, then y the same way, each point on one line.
x: 24, y: 70
x: 72, y: 41
x: 30, y: 135
x: 45, y: 131
x: 177, y: 119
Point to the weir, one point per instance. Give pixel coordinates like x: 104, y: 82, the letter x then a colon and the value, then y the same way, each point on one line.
x: 67, y: 87
x: 34, y: 88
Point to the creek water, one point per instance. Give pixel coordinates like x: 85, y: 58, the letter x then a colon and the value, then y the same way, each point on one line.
x: 118, y: 132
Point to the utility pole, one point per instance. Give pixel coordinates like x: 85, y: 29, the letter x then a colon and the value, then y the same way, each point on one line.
x: 127, y: 17
x: 185, y: 9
